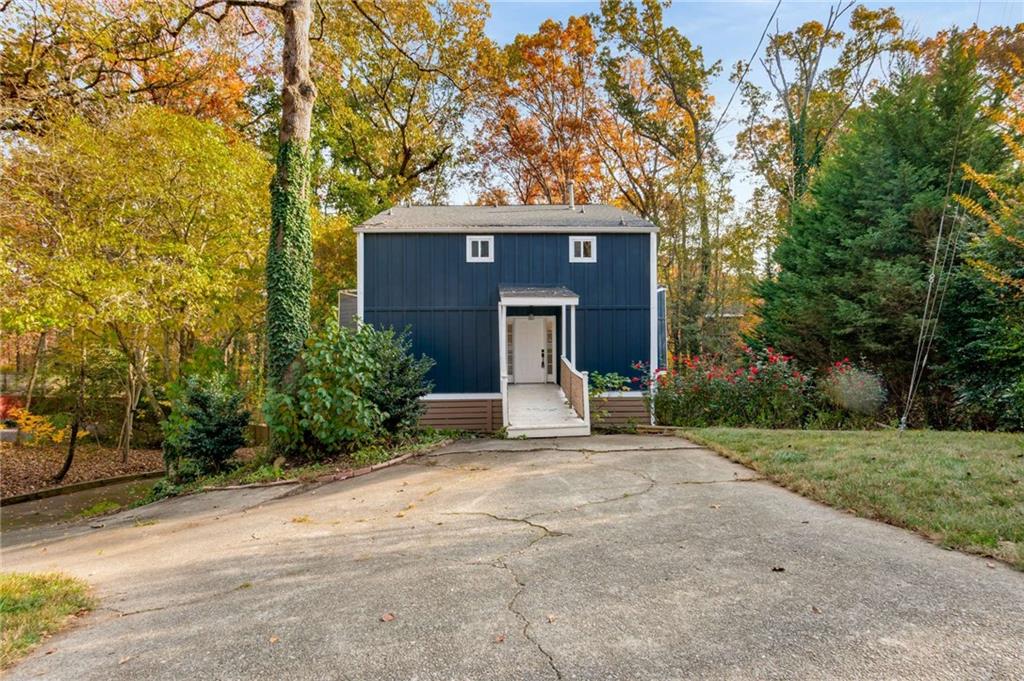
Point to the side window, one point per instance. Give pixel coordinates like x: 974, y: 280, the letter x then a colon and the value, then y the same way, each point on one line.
x: 583, y: 249
x: 479, y: 249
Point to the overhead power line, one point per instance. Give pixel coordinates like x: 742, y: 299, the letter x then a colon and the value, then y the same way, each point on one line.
x: 746, y: 70
x: 735, y: 90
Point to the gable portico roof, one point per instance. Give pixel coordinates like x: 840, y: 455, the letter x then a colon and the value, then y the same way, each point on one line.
x: 537, y: 296
x: 590, y: 218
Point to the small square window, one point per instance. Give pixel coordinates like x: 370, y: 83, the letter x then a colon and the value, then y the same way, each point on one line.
x: 479, y: 249
x: 583, y: 249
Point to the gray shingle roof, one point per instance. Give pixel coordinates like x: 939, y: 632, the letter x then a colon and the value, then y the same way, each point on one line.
x: 536, y: 292
x: 480, y: 219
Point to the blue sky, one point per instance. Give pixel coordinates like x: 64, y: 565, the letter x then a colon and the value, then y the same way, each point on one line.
x: 728, y: 31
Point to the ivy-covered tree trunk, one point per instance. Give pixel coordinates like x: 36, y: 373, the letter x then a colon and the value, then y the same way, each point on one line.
x: 290, y: 252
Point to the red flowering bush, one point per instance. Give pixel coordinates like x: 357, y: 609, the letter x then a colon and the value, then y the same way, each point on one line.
x: 764, y: 389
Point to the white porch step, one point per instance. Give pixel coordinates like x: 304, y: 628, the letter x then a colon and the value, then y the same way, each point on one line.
x: 565, y: 430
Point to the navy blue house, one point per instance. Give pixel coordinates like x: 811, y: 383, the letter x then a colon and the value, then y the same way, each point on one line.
x: 515, y: 304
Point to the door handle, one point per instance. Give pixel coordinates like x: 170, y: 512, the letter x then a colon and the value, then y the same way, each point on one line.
x: 542, y: 358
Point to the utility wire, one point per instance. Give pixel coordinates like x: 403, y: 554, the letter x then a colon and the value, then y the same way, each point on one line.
x: 746, y: 70
x: 945, y: 274
x: 735, y: 90
x: 934, y: 303
x: 929, y: 299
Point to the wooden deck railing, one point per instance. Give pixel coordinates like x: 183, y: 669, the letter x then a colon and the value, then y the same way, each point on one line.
x: 575, y: 385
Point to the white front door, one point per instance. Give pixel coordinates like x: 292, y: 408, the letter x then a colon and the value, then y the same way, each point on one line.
x: 528, y: 354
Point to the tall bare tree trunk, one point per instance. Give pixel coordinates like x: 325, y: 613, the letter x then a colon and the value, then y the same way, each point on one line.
x: 30, y: 391
x: 77, y: 422
x: 137, y: 359
x: 40, y: 349
x: 133, y: 392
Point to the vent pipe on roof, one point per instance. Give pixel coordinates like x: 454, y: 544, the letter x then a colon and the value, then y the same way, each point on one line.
x: 572, y: 195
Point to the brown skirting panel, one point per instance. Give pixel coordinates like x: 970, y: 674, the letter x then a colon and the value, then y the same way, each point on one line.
x: 619, y: 411
x: 480, y: 415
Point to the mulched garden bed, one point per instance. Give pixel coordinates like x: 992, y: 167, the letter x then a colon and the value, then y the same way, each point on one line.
x: 29, y: 468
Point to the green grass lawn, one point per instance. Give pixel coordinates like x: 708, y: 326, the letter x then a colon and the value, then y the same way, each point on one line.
x: 33, y: 606
x: 962, y: 490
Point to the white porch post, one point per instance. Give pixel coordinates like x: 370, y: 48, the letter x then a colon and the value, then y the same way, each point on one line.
x: 360, y: 277
x: 564, y: 352
x: 503, y: 363
x: 573, y: 314
x: 654, y: 319
x: 502, y: 342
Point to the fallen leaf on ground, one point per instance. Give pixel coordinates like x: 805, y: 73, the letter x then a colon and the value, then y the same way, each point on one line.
x: 31, y: 467
x: 778, y: 569
x: 716, y: 506
x: 274, y: 639
x: 500, y: 638
x: 815, y: 610
x: 387, y: 617
x: 551, y: 619
x: 124, y: 659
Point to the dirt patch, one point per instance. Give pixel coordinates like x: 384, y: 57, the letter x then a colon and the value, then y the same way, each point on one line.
x: 30, y: 468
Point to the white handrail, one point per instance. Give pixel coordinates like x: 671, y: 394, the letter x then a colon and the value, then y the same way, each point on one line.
x: 504, y: 400
x: 585, y: 379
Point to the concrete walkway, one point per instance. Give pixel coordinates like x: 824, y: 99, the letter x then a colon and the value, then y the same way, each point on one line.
x: 540, y: 410
x: 609, y: 557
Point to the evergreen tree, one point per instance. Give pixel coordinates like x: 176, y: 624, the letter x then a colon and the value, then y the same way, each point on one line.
x: 855, y: 264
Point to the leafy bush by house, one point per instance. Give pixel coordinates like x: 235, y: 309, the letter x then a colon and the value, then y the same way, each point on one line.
x: 597, y: 385
x: 353, y: 388
x: 765, y: 390
x: 400, y: 379
x: 206, y: 426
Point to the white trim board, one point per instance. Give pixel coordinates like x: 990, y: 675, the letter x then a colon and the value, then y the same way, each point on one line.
x: 360, y: 277
x: 501, y: 229
x: 438, y: 397
x: 654, y: 318
x: 538, y: 301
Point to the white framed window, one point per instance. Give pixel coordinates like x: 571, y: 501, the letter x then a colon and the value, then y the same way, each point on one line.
x: 479, y: 249
x: 583, y: 249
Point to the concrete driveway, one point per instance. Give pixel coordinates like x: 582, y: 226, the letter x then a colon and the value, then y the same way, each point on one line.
x: 609, y: 557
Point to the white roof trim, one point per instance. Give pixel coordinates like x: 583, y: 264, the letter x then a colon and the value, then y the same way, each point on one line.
x: 538, y: 301
x: 437, y: 397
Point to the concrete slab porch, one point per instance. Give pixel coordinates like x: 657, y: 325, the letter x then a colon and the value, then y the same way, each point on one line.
x: 541, y: 410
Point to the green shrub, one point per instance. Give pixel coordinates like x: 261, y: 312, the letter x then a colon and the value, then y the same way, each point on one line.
x: 328, y: 411
x: 353, y: 389
x: 205, y: 427
x: 598, y: 384
x: 400, y: 379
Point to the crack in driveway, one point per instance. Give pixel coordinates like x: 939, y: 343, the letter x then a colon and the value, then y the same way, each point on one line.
x: 547, y: 532
x: 511, y: 605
